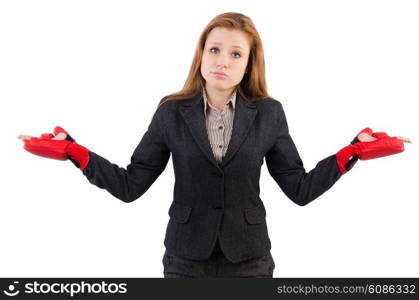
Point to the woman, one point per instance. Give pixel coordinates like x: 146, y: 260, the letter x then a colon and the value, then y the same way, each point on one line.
x: 219, y: 128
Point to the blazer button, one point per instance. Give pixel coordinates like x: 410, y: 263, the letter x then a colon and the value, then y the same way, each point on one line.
x: 217, y: 207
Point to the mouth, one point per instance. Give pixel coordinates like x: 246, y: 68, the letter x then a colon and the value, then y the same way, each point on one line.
x: 219, y: 74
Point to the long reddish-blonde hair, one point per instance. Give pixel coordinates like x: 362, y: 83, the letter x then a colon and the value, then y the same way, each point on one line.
x: 253, y: 85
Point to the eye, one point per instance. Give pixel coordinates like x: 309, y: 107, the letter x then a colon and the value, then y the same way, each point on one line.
x: 235, y: 54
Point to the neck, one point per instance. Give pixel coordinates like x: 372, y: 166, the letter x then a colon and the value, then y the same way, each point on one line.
x: 218, y: 98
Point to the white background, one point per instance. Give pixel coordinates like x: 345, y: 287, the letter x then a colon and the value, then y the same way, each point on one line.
x: 99, y: 68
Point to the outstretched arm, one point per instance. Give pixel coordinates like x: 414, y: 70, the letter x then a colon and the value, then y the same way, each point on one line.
x: 147, y: 163
x: 127, y: 184
x: 286, y: 167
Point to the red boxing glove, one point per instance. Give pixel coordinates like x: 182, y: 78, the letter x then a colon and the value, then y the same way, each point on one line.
x: 45, y: 146
x: 382, y: 146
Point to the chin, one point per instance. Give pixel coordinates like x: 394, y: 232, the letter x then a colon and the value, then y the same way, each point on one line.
x: 219, y: 85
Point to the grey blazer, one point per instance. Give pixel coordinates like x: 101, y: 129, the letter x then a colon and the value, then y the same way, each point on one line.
x: 212, y: 199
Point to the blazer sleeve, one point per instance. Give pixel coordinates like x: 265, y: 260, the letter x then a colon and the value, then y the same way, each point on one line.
x: 286, y: 167
x: 147, y: 163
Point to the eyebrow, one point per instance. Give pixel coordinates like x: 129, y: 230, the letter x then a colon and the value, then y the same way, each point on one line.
x: 234, y: 46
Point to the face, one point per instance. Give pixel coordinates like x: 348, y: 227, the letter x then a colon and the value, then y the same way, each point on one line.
x: 225, y: 58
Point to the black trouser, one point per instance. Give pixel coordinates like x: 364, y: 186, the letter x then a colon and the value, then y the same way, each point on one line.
x: 217, y: 266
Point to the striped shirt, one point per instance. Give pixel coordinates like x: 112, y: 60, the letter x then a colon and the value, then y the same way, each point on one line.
x: 219, y: 125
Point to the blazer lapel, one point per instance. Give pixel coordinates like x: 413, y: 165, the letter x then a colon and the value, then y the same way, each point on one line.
x: 244, y: 115
x: 193, y: 113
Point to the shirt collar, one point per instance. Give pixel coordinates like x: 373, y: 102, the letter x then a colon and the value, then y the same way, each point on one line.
x: 232, y: 100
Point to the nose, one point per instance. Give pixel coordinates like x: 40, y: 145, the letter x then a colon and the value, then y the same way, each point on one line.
x: 222, y: 61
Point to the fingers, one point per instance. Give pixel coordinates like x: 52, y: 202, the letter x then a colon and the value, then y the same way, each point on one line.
x: 24, y: 137
x: 405, y: 140
x: 365, y: 137
x: 365, y: 131
x: 60, y: 136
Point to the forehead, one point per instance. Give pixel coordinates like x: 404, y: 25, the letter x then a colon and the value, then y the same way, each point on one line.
x: 228, y: 37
